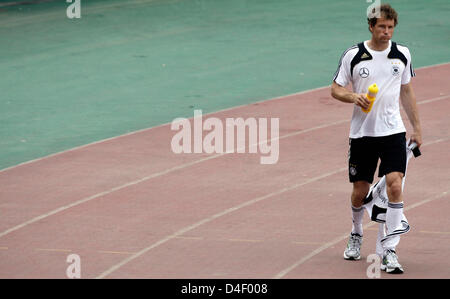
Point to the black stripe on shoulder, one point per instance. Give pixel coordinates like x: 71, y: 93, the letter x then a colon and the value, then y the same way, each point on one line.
x: 362, y: 55
x: 411, y: 69
x: 396, y: 54
x: 340, y: 61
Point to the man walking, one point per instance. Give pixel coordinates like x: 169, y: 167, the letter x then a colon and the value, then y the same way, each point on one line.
x: 380, y: 133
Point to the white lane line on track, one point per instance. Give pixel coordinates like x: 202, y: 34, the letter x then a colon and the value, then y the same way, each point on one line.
x: 213, y: 217
x: 433, y: 100
x: 169, y: 170
x: 53, y: 249
x: 154, y: 175
x: 327, y: 245
x: 343, y: 237
x: 247, y: 203
x: 208, y: 114
x: 159, y: 126
x: 206, y: 220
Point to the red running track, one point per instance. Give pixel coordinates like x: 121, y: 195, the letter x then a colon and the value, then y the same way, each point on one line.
x: 131, y: 208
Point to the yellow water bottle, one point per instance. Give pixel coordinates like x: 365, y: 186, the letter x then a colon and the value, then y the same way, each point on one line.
x: 371, y: 95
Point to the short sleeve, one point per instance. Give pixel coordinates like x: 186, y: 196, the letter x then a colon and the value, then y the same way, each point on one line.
x: 342, y: 74
x: 408, y: 73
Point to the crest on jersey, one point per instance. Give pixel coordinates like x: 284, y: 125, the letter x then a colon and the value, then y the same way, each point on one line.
x: 364, y: 72
x: 395, y: 70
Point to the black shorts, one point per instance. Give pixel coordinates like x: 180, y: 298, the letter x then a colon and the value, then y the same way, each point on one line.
x: 364, y: 153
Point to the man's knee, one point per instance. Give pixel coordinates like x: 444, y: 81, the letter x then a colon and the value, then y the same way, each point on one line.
x: 394, y: 185
x: 360, y: 191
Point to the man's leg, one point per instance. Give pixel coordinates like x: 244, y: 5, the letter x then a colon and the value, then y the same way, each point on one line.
x: 394, y: 215
x: 360, y: 190
x: 362, y: 163
x: 394, y: 187
x: 393, y: 166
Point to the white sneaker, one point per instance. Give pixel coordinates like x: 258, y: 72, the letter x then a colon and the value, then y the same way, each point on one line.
x: 390, y: 263
x: 352, y: 252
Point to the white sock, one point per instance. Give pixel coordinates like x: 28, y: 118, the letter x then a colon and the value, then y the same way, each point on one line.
x: 394, y: 216
x: 357, y: 217
x: 381, y: 234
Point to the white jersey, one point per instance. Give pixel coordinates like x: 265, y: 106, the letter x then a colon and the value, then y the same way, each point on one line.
x: 389, y: 69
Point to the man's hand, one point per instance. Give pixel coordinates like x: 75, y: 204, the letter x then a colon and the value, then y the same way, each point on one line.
x: 342, y: 94
x: 361, y: 100
x: 417, y: 138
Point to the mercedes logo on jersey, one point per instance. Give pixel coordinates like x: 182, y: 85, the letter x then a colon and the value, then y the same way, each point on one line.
x: 364, y: 72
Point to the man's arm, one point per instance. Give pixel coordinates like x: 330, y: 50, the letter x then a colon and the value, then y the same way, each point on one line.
x: 408, y: 99
x: 344, y: 95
